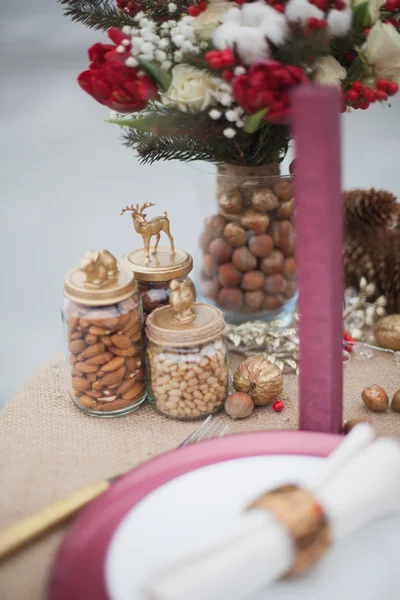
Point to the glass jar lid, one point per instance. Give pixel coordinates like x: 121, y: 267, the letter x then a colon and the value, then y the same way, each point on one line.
x: 162, y: 266
x: 184, y: 323
x: 98, y: 280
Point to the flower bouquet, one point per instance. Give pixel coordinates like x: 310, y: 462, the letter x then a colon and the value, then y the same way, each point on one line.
x: 211, y: 80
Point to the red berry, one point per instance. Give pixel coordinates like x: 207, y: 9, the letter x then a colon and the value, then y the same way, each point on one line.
x: 215, y: 63
x: 212, y: 54
x: 392, y: 88
x: 390, y: 5
x: 380, y: 95
x: 363, y: 105
x: 382, y: 84
x: 350, y: 56
x: 279, y: 7
x: 227, y: 75
x: 203, y: 5
x: 194, y: 11
x: 227, y: 57
x: 278, y: 406
x: 369, y: 94
x: 340, y: 5
x: 357, y: 85
x: 352, y: 95
x: 366, y: 31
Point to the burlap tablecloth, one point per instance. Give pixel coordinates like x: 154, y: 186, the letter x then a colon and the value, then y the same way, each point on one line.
x: 48, y: 448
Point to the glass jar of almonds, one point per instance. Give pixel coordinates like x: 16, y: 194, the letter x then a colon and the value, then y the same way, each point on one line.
x: 102, y: 314
x: 187, y: 359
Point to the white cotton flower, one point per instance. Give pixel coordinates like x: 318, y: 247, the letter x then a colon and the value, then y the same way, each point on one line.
x: 299, y: 11
x: 225, y: 36
x: 139, y: 16
x: 191, y: 89
x: 215, y: 114
x: 233, y: 15
x: 229, y: 132
x: 254, y: 13
x: 275, y: 28
x: 329, y: 72
x: 339, y: 22
x: 251, y: 45
x: 207, y: 21
x: 382, y: 51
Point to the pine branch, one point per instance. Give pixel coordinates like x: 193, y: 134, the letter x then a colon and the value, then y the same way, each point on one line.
x: 96, y: 14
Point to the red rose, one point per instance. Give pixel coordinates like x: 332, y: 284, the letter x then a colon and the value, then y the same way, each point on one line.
x: 266, y: 85
x: 111, y: 82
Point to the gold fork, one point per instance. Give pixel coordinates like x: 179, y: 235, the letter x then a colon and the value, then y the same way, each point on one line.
x: 22, y: 533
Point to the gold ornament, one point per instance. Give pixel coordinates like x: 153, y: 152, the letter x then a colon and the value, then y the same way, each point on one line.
x: 239, y: 405
x: 98, y: 266
x: 181, y: 299
x: 149, y: 228
x: 260, y: 378
x: 362, y: 308
x: 387, y: 332
x: 375, y: 398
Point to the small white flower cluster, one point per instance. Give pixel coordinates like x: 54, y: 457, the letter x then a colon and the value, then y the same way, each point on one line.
x: 182, y: 35
x: 232, y: 113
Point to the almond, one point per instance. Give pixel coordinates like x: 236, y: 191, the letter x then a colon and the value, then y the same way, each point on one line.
x: 91, y: 351
x: 80, y: 384
x: 91, y: 339
x: 125, y: 386
x: 88, y: 402
x: 77, y: 335
x: 115, y: 405
x: 83, y: 367
x: 135, y: 392
x: 132, y: 363
x: 113, y: 377
x: 100, y: 359
x: 77, y: 346
x: 75, y: 372
x: 93, y: 394
x: 72, y: 323
x: 114, y: 364
x: 72, y: 359
x: 121, y: 341
x: 97, y: 385
x: 84, y: 323
x: 123, y: 319
x: 123, y: 351
x: 91, y: 377
x: 98, y: 330
x: 133, y: 318
x: 101, y: 318
x: 134, y: 332
x: 106, y: 340
x: 114, y: 386
x: 107, y: 398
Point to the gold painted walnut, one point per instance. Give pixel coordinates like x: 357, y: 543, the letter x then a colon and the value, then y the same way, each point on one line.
x: 147, y: 229
x: 260, y: 378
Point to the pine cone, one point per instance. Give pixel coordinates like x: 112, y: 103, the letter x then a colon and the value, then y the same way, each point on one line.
x: 368, y: 209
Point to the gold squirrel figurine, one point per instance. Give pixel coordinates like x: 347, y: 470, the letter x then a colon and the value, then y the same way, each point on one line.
x: 99, y: 266
x: 181, y: 299
x: 149, y: 228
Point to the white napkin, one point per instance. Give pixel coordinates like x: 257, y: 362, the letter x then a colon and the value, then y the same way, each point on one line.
x: 359, y: 483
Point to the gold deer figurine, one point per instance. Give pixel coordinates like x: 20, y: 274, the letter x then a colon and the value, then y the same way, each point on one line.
x: 98, y: 266
x: 150, y: 228
x: 181, y: 299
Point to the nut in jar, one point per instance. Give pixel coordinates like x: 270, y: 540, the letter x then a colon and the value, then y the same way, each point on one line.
x: 103, y: 317
x: 186, y: 357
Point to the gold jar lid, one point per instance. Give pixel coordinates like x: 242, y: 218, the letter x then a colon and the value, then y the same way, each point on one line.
x: 162, y: 266
x: 184, y: 323
x: 98, y: 281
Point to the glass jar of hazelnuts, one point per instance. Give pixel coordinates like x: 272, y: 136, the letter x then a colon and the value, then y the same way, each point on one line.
x: 103, y: 318
x: 186, y: 357
x: 248, y: 266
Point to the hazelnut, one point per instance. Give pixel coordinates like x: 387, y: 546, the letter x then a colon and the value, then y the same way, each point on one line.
x: 220, y: 250
x: 272, y: 263
x: 209, y: 266
x: 290, y: 289
x: 289, y: 268
x: 274, y: 284
x: 375, y: 398
x: 284, y: 189
x: 205, y: 241
x: 285, y: 209
x: 243, y: 259
x: 282, y: 232
x: 348, y: 426
x: 272, y: 302
x: 239, y: 405
x: 230, y: 298
x: 229, y: 276
x: 209, y: 288
x: 215, y: 225
x: 264, y: 199
x: 235, y: 235
x: 253, y: 300
x: 231, y: 203
x: 261, y: 245
x: 395, y: 405
x: 252, y: 280
x: 255, y: 221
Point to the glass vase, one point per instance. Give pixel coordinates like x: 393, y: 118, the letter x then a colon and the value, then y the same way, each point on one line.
x: 247, y: 266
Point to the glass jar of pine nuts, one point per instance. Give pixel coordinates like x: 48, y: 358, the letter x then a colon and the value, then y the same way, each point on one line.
x: 187, y: 359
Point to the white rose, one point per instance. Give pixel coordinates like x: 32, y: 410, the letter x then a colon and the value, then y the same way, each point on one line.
x: 209, y: 19
x: 374, y: 7
x: 382, y: 51
x: 191, y: 89
x: 328, y: 72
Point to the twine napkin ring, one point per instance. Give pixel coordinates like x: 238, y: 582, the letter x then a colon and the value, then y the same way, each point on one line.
x: 304, y: 519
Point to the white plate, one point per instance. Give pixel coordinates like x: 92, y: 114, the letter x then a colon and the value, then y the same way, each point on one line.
x: 190, y: 511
